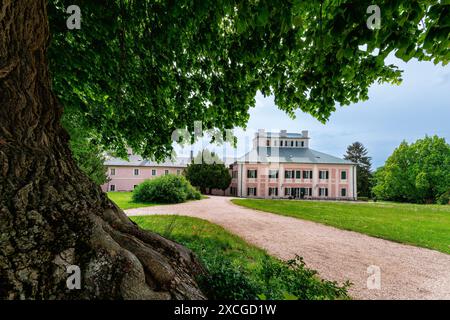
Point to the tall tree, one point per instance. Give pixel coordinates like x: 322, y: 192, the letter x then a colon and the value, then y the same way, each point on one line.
x: 417, y: 172
x: 87, y: 152
x: 137, y: 70
x: 208, y: 172
x: 357, y: 153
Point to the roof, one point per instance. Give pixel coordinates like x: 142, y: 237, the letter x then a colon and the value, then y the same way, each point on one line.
x: 291, y: 155
x: 288, y: 135
x: 138, y: 161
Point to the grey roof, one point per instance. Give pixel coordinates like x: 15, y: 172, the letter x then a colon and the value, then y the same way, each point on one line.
x: 288, y: 135
x: 138, y: 161
x: 290, y: 155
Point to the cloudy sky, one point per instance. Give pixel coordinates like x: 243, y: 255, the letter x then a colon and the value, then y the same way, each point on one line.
x: 419, y: 106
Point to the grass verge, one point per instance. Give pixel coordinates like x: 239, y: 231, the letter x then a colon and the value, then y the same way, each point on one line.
x: 238, y: 270
x: 125, y: 200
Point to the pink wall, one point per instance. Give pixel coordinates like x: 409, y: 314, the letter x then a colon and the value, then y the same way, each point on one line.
x: 334, y: 183
x: 125, y: 180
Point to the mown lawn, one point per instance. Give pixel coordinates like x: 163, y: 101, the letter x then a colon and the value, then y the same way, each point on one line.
x: 236, y: 269
x: 125, y: 201
x: 421, y: 225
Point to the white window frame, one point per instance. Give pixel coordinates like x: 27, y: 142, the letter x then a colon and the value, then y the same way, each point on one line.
x: 138, y: 171
x: 166, y: 172
x: 325, y: 173
x: 252, y: 170
x: 323, y: 192
x: 112, y: 187
x: 112, y: 171
x: 273, y: 191
x: 346, y: 174
x: 277, y: 173
x: 154, y: 172
x: 251, y: 191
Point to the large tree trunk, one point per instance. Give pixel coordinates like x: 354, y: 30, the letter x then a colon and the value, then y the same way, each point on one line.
x: 51, y: 214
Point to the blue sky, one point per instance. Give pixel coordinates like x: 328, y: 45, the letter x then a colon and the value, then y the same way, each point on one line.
x: 419, y: 106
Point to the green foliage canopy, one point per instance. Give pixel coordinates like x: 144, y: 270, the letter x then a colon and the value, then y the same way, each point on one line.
x: 357, y: 153
x: 138, y: 70
x: 417, y: 172
x: 208, y: 172
x: 86, y: 150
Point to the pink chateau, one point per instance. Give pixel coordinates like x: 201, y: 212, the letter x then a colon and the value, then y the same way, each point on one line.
x: 280, y: 165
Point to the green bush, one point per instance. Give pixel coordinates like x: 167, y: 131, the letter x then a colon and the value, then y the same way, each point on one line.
x: 272, y: 280
x: 225, y: 281
x: 165, y: 189
x: 363, y: 199
x: 444, y: 198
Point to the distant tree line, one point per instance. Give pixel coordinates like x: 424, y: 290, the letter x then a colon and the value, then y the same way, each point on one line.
x: 418, y: 172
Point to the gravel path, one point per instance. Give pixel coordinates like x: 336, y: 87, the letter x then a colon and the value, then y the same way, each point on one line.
x: 407, y: 272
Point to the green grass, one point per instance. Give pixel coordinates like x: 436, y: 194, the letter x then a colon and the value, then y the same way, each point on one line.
x: 125, y: 200
x: 421, y: 225
x: 238, y: 270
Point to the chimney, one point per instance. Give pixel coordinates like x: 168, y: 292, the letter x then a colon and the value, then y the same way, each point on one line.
x: 283, y: 133
x: 305, y: 133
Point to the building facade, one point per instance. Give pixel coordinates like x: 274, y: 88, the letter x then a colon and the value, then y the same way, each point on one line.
x: 280, y: 165
x: 125, y: 175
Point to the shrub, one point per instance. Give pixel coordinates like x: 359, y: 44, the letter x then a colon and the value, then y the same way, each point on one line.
x: 273, y: 280
x: 444, y: 198
x: 165, y: 189
x: 225, y: 281
x: 363, y: 199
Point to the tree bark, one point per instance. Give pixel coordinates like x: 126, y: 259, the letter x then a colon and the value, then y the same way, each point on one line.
x: 51, y: 214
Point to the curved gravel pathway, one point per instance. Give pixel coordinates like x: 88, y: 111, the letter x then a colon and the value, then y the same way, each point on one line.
x: 407, y: 272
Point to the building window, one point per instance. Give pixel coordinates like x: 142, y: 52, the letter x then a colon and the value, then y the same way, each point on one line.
x: 251, y: 191
x: 298, y: 174
x: 323, y: 192
x: 273, y: 191
x: 113, y: 172
x: 166, y: 172
x: 296, y: 143
x: 153, y: 172
x: 178, y: 172
x: 112, y: 187
x: 233, y: 191
x: 292, y: 143
x: 289, y: 174
x: 234, y: 174
x: 136, y: 172
x: 303, y: 143
x: 281, y: 143
x: 344, y: 175
x: 273, y: 174
x: 307, y: 174
x: 253, y: 174
x: 134, y: 187
x: 287, y: 191
x: 268, y: 143
x: 308, y: 192
x: 343, y: 192
x: 323, y: 174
